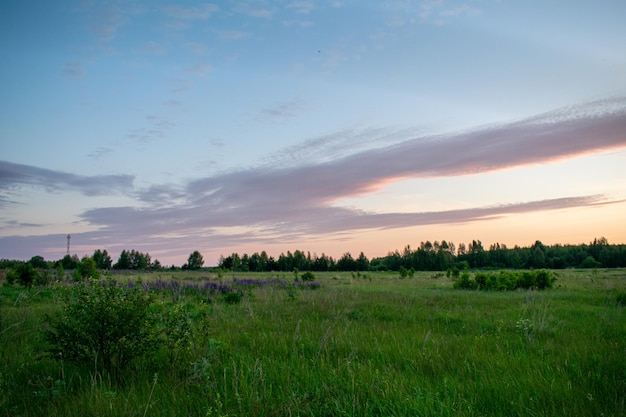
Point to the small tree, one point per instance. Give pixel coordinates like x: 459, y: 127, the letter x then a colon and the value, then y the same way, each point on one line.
x: 308, y: 276
x: 38, y: 262
x: 103, y: 323
x: 102, y: 258
x: 86, y: 269
x: 70, y: 262
x: 195, y: 261
x: 26, y: 274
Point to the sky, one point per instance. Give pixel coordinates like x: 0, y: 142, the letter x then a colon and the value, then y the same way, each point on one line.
x: 328, y: 126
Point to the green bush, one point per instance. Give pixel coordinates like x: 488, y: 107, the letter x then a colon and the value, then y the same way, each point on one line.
x: 544, y: 279
x: 506, y: 280
x: 590, y: 262
x: 233, y: 297
x: 308, y: 276
x: 464, y: 281
x: 26, y: 274
x: 102, y: 323
x: 42, y: 278
x: 176, y: 331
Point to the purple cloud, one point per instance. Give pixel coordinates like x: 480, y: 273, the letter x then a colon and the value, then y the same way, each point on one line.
x: 13, y: 175
x: 299, y: 199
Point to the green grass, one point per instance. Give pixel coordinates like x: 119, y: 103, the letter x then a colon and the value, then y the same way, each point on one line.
x: 378, y: 345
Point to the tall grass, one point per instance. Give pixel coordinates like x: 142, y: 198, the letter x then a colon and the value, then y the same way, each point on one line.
x: 378, y: 345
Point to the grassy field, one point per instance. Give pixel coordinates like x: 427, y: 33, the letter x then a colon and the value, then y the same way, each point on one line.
x: 372, y: 344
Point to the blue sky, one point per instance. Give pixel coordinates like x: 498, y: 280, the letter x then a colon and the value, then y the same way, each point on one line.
x: 328, y: 126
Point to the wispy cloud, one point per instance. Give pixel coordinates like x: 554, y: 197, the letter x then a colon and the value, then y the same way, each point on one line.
x: 299, y: 199
x: 197, y: 12
x: 256, y: 8
x: 283, y: 110
x: 199, y: 69
x: 231, y: 35
x: 74, y: 69
x: 106, y: 18
x: 100, y: 152
x: 301, y: 6
x: 439, y: 12
x: 157, y: 129
x: 14, y: 175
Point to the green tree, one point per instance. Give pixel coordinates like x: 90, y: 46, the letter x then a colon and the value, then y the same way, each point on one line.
x: 26, y: 274
x: 70, y: 262
x: 537, y: 258
x: 123, y: 262
x: 38, y: 262
x: 195, y: 261
x: 362, y: 263
x: 87, y: 269
x: 346, y: 263
x: 102, y: 258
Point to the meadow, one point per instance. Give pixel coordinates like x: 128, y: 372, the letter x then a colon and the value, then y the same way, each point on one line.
x: 359, y: 344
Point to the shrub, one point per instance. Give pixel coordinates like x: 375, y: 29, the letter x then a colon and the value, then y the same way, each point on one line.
x: 544, y: 279
x: 42, y: 278
x: 590, y: 262
x: 102, y: 323
x: 506, y: 280
x: 176, y: 331
x: 11, y: 277
x: 308, y: 276
x: 233, y: 297
x: 464, y: 282
x: 24, y: 273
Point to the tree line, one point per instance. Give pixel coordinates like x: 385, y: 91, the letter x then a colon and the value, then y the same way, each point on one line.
x: 429, y: 256
x: 441, y: 256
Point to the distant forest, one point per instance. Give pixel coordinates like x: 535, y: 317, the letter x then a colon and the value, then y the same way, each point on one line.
x: 441, y: 256
x: 429, y: 256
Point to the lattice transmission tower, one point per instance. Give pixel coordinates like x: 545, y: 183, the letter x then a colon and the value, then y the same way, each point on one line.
x: 68, y: 245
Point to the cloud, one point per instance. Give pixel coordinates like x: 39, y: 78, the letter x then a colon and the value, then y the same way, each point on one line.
x: 299, y: 199
x: 301, y: 6
x: 74, y: 69
x: 291, y: 202
x: 197, y: 12
x: 200, y: 69
x: 157, y: 129
x: 283, y: 110
x: 106, y: 19
x: 100, y: 152
x: 440, y: 12
x: 256, y: 8
x: 232, y: 35
x: 338, y: 145
x: 15, y: 175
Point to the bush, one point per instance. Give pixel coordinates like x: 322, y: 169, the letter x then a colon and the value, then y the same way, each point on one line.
x: 233, y: 297
x: 24, y: 273
x: 506, y: 280
x: 308, y: 276
x: 102, y: 323
x: 544, y: 279
x: 42, y: 278
x: 590, y: 262
x: 464, y: 281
